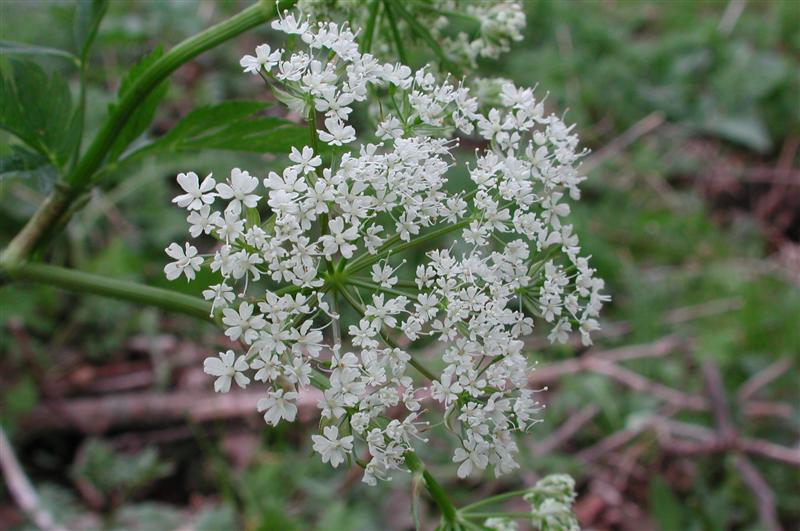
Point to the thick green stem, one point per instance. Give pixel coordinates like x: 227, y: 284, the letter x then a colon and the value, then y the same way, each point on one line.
x: 81, y: 282
x: 55, y: 208
x: 415, y: 464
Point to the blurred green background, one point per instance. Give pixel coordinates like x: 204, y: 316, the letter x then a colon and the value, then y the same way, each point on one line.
x: 691, y: 213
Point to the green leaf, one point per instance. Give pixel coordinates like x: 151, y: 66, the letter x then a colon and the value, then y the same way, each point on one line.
x: 229, y: 126
x: 216, y: 517
x: 37, y: 109
x: 88, y: 15
x: 8, y: 48
x: 253, y: 217
x: 19, y: 399
x: 141, y: 118
x: 23, y: 163
x: 664, y: 506
x: 115, y: 474
x: 745, y: 129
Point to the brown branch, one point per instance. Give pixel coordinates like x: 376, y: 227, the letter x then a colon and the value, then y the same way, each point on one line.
x: 764, y: 408
x: 763, y: 378
x: 762, y: 492
x: 612, y: 442
x: 704, y: 309
x: 719, y: 402
x: 567, y: 430
x: 21, y: 488
x: 100, y: 414
x: 647, y: 386
x: 658, y: 348
x: 644, y: 126
x: 770, y: 450
x: 554, y: 371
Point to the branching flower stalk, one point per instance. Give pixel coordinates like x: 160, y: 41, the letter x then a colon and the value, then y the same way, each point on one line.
x: 332, y: 222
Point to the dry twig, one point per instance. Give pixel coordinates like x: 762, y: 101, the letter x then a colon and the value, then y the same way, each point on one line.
x: 764, y: 495
x: 763, y: 378
x: 96, y: 415
x: 567, y: 430
x: 21, y: 488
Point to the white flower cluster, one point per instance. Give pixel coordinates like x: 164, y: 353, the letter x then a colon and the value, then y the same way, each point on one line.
x: 551, y: 502
x: 493, y: 24
x: 499, y: 23
x: 329, y: 222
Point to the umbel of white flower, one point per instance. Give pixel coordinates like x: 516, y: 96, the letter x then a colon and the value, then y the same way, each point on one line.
x: 336, y: 234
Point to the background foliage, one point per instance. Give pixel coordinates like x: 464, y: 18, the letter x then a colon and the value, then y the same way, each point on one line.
x: 693, y: 115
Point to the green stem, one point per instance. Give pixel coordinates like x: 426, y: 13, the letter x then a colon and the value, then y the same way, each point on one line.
x: 55, y: 208
x: 482, y: 516
x: 398, y: 41
x: 355, y: 267
x: 416, y: 466
x: 312, y: 130
x: 366, y: 44
x: 495, y: 499
x: 366, y: 284
x: 80, y: 112
x: 365, y: 255
x: 388, y: 340
x: 82, y: 282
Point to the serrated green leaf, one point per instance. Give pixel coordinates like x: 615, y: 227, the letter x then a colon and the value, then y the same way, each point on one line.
x: 229, y: 126
x: 37, y: 109
x: 141, y: 118
x: 210, y: 117
x: 88, y: 15
x: 8, y: 48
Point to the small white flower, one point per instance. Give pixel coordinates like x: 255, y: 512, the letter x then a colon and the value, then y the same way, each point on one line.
x: 290, y: 25
x: 331, y: 447
x: 446, y: 390
x: 219, y: 294
x: 186, y: 261
x: 238, y: 189
x: 202, y: 221
x: 472, y: 455
x: 306, y: 159
x: 265, y: 58
x: 242, y: 323
x: 278, y: 405
x: 384, y: 275
x: 338, y: 132
x: 227, y: 367
x: 197, y: 194
x: 339, y: 239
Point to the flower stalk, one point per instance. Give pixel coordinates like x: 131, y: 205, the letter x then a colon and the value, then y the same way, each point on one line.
x: 54, y: 210
x: 82, y: 282
x: 416, y: 466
